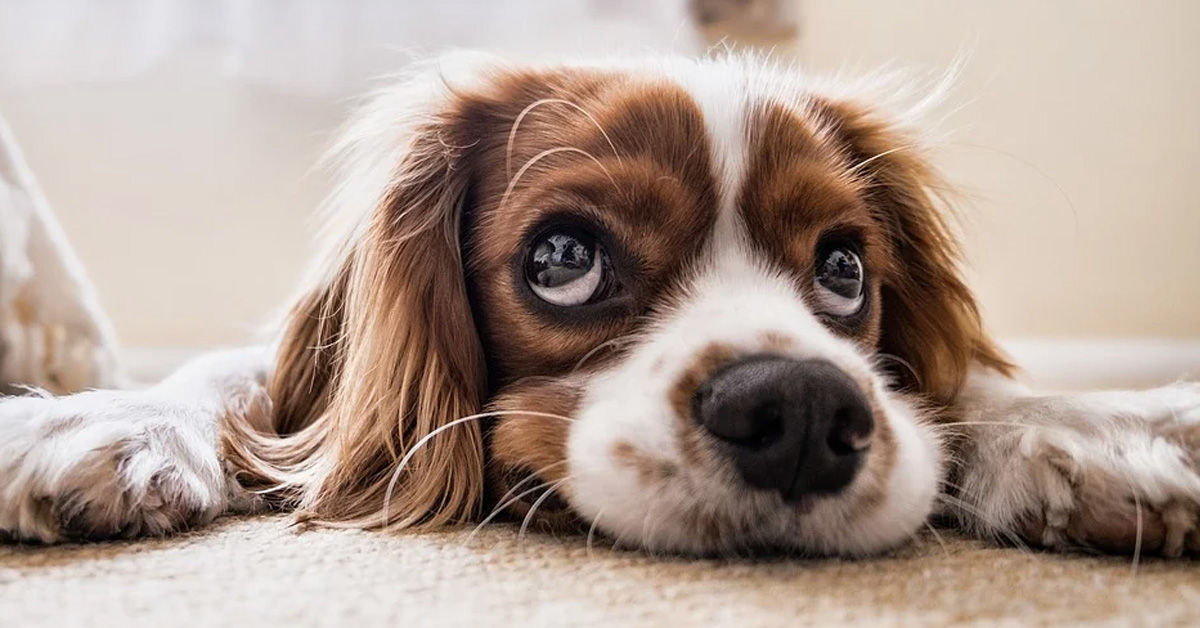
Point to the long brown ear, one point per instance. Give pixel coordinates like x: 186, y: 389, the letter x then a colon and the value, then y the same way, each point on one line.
x: 381, y: 352
x: 930, y: 318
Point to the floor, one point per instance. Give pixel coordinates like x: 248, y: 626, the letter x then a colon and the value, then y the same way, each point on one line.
x: 262, y: 572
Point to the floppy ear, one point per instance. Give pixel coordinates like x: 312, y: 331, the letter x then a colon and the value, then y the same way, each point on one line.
x: 930, y: 317
x: 381, y: 351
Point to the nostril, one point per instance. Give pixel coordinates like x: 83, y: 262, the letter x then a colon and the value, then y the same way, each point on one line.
x: 850, y: 432
x: 753, y: 428
x: 759, y: 428
x: 741, y: 411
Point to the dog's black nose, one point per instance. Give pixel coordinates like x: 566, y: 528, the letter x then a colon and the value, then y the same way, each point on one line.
x: 800, y: 427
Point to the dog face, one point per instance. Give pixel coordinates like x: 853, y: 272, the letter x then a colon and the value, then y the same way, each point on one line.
x: 698, y: 306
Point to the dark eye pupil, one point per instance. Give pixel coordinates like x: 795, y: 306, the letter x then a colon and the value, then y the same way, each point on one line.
x: 560, y: 258
x: 841, y: 273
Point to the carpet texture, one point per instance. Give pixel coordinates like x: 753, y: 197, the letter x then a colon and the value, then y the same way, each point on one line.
x: 259, y: 572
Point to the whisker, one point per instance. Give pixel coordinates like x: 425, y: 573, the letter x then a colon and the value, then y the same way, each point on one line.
x: 905, y: 363
x: 391, y: 487
x: 1170, y: 408
x: 596, y: 349
x: 858, y: 168
x: 500, y: 509
x: 1000, y: 424
x: 512, y: 134
x: 512, y: 184
x: 1019, y: 159
x: 592, y: 532
x: 971, y: 509
x: 1137, y: 542
x: 504, y: 502
x: 1139, y: 529
x: 537, y: 504
x: 648, y: 530
x: 273, y: 489
x: 545, y: 379
x: 954, y: 486
x: 937, y: 537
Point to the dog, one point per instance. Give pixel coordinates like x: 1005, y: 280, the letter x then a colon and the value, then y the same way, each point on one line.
x: 705, y: 307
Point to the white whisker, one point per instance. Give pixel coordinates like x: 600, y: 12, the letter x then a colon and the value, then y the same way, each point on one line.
x: 1139, y: 530
x: 391, y: 487
x: 600, y: 347
x: 498, y: 510
x: 512, y: 134
x: 507, y: 499
x: 858, y: 168
x: 538, y: 503
x: 905, y: 363
x: 977, y: 513
x: 937, y: 537
x: 512, y: 184
x: 592, y: 532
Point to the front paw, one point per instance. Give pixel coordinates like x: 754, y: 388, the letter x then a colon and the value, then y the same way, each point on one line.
x: 1114, y: 472
x: 105, y: 464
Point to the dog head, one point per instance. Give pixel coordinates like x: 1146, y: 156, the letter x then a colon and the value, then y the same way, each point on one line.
x: 697, y: 305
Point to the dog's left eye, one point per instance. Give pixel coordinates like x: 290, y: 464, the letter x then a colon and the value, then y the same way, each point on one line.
x: 566, y: 267
x: 839, y: 281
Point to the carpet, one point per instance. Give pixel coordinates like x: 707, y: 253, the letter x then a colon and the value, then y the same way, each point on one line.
x: 258, y: 571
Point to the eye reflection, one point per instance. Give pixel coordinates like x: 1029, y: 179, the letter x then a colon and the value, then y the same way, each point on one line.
x: 838, y: 282
x: 565, y: 267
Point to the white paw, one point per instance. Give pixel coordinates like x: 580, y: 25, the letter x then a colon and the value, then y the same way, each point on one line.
x: 1116, y: 472
x: 108, y: 464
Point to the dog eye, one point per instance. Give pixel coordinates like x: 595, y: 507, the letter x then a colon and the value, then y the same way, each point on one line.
x: 565, y: 267
x: 839, y: 281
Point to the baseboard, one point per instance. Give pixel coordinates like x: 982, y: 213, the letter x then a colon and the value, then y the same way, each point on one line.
x: 1106, y: 363
x: 149, y: 364
x: 1050, y: 363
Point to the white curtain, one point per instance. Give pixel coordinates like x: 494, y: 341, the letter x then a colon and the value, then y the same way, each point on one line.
x: 314, y: 46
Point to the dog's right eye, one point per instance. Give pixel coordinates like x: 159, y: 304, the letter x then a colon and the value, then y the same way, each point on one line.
x: 566, y: 267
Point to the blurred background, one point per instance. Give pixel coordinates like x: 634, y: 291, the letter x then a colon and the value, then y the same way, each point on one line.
x: 175, y: 139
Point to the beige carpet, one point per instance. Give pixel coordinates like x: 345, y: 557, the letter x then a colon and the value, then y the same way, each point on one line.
x: 258, y: 572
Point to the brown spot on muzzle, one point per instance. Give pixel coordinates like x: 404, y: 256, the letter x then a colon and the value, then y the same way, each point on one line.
x: 650, y: 469
x: 693, y: 444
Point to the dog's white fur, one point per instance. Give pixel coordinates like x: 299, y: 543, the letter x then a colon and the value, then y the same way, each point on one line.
x: 140, y: 462
x: 147, y: 462
x: 735, y: 302
x: 1102, y: 452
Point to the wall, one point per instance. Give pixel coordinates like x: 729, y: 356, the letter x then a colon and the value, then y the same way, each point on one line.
x: 1077, y: 140
x: 187, y: 196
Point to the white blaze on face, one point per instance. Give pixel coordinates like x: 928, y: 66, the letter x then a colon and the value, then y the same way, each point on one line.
x: 737, y: 301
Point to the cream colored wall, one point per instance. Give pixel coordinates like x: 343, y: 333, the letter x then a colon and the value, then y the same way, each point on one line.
x: 1079, y: 140
x: 187, y: 196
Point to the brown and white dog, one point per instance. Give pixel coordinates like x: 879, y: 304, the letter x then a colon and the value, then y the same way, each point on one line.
x: 704, y: 306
